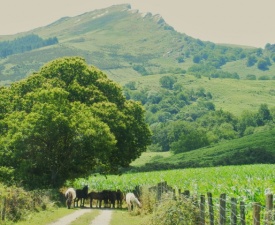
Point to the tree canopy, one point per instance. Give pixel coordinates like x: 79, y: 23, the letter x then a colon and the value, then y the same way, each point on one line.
x: 65, y: 121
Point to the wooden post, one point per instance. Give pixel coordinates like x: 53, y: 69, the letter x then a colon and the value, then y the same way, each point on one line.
x: 222, y: 209
x: 179, y: 196
x: 268, y: 208
x: 3, y: 208
x: 233, y: 211
x: 186, y: 193
x: 164, y: 187
x: 256, y: 213
x: 211, y: 209
x: 174, y: 194
x: 202, y: 210
x: 159, y: 191
x: 242, y: 213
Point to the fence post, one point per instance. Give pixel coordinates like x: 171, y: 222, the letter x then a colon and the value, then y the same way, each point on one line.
x: 179, y: 194
x: 174, y: 194
x: 186, y: 193
x: 210, y: 206
x: 233, y: 211
x: 202, y: 210
x: 164, y: 186
x: 256, y: 213
x: 222, y: 209
x: 159, y: 191
x: 3, y: 208
x: 268, y: 208
x: 242, y: 213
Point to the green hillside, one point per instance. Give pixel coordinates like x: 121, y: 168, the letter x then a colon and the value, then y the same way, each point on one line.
x: 219, y: 91
x: 254, y: 149
x: 126, y: 43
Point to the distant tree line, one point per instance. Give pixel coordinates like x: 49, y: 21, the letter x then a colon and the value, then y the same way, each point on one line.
x: 210, y: 71
x: 24, y: 44
x: 215, y: 56
x: 184, y: 119
x: 262, y: 58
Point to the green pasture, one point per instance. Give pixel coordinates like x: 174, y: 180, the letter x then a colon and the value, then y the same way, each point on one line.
x: 243, y: 70
x: 247, y: 183
x: 147, y: 157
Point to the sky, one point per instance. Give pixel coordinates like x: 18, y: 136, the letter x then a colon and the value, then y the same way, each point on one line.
x: 241, y: 22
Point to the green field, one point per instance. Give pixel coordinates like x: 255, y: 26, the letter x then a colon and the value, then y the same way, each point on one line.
x: 247, y: 183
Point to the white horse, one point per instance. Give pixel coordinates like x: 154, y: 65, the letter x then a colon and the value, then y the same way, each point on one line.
x: 70, y: 195
x: 132, y: 201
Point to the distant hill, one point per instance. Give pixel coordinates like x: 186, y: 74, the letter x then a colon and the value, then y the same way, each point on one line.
x: 125, y: 43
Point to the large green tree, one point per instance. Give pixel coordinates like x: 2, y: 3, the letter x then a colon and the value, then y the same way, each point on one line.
x: 65, y: 121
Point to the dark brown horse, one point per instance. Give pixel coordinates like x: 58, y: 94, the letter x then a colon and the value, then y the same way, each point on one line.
x: 98, y: 196
x: 108, y: 197
x: 119, y: 198
x: 82, y: 195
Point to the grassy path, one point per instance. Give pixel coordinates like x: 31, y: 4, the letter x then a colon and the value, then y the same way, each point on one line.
x: 68, y: 219
x: 103, y: 218
x: 84, y: 216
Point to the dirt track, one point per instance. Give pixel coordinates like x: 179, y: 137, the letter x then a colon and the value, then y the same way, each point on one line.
x: 103, y: 218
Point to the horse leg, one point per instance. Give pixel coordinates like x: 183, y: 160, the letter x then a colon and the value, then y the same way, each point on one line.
x: 91, y: 203
x: 76, y: 202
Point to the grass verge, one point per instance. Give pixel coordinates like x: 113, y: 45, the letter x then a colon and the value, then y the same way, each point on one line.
x: 123, y: 217
x: 46, y: 217
x: 86, y: 218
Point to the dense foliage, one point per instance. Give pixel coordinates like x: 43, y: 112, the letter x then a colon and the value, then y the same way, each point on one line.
x: 24, y: 44
x: 67, y: 120
x: 184, y: 119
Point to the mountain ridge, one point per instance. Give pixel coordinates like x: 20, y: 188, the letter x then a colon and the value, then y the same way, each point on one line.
x: 122, y: 42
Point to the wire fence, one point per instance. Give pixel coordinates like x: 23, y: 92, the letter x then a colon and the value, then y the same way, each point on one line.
x: 223, y: 210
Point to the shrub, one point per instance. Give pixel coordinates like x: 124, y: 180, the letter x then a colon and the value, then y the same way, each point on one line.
x: 251, y: 77
x: 148, y: 200
x: 170, y: 212
x: 17, y: 203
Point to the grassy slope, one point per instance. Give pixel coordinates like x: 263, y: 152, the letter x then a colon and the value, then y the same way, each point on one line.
x: 112, y: 38
x: 230, y: 95
x: 241, y: 68
x: 100, y: 39
x: 212, y: 155
x: 236, y: 95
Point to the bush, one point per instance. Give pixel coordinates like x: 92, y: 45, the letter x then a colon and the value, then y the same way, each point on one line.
x: 251, y: 77
x: 148, y: 200
x: 170, y: 212
x: 262, y: 64
x: 17, y: 203
x: 264, y: 77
